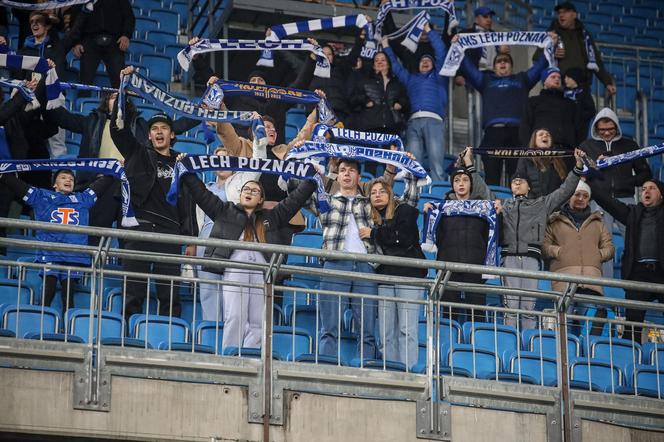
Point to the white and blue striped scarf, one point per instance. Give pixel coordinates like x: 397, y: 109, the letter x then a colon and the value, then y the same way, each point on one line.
x: 182, y: 107
x: 286, y: 169
x: 590, y: 52
x: 626, y: 157
x: 478, y: 208
x: 86, y: 87
x: 321, y: 131
x: 482, y: 39
x: 39, y: 65
x: 53, y: 4
x: 104, y: 166
x: 279, y: 32
x: 278, y: 93
x: 22, y: 89
x: 213, y: 45
x: 400, y: 160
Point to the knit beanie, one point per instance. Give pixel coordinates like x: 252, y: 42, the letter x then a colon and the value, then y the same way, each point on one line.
x: 583, y: 186
x: 547, y: 72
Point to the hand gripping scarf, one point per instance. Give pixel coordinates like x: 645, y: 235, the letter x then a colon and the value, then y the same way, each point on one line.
x: 22, y: 89
x: 626, y: 157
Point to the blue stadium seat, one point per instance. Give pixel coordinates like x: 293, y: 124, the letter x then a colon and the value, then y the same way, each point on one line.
x: 291, y: 298
x: 186, y: 347
x: 24, y: 318
x: 57, y: 337
x: 290, y: 342
x: 648, y: 379
x: 543, y: 370
x: 77, y: 322
x: 156, y: 329
x: 144, y: 25
x: 248, y: 352
x: 348, y: 347
x: 318, y: 359
x: 146, y: 5
x: 10, y: 294
x: 138, y: 47
x: 73, y: 148
x: 653, y: 354
x: 623, y: 352
x: 378, y: 364
x: 4, y: 333
x: 188, y: 308
x: 114, y: 302
x: 544, y: 341
x: 497, y: 338
x: 168, y: 20
x: 482, y: 364
x: 296, y: 117
x: 304, y: 317
x: 191, y: 147
x: 211, y: 334
x: 291, y: 131
x: 159, y: 66
x: 87, y: 105
x: 161, y: 38
x: 447, y: 329
x: 598, y: 373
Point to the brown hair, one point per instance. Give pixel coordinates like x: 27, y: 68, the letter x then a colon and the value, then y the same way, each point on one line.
x: 391, y: 202
x: 543, y: 164
x: 256, y: 225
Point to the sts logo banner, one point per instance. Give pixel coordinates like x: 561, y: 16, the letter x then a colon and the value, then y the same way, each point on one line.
x: 65, y: 215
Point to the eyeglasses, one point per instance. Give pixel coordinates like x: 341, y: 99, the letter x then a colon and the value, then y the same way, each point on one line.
x: 251, y: 191
x: 378, y: 192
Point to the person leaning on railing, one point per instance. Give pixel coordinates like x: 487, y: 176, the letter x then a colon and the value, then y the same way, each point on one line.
x: 60, y: 206
x: 643, y: 255
x: 395, y: 233
x: 523, y: 226
x: 245, y: 221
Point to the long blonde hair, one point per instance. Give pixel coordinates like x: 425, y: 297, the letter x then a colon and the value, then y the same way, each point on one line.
x: 391, y: 202
x: 543, y: 164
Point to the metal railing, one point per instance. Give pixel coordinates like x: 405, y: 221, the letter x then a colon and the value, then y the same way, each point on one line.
x: 442, y: 320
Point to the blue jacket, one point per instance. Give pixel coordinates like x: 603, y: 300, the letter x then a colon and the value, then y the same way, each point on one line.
x: 504, y: 99
x: 427, y: 92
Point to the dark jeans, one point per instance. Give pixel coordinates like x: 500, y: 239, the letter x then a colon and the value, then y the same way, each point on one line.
x: 493, y: 167
x: 111, y: 55
x: 642, y: 273
x: 137, y: 287
x: 107, y: 209
x: 465, y: 297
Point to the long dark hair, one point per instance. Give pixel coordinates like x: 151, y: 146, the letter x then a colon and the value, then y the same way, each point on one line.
x: 256, y: 225
x: 543, y: 164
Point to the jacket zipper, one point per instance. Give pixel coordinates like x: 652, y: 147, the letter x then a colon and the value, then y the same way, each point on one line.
x: 518, y: 221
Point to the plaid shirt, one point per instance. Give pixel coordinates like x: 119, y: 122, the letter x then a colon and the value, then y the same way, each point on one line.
x: 335, y: 221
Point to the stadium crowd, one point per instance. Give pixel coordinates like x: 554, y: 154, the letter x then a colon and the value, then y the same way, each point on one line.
x: 558, y: 217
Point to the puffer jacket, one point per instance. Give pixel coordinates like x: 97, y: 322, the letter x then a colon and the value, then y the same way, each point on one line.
x: 524, y: 219
x: 577, y: 251
x: 427, y: 92
x: 230, y: 218
x: 542, y: 182
x: 551, y: 110
x: 622, y: 178
x: 381, y: 116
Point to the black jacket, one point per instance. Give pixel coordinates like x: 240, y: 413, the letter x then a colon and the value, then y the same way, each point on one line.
x: 462, y: 239
x: 141, y: 169
x: 541, y: 182
x: 622, y: 178
x: 110, y: 17
x: 630, y: 215
x: 551, y: 110
x: 336, y: 88
x: 230, y: 218
x: 381, y: 117
x: 400, y: 236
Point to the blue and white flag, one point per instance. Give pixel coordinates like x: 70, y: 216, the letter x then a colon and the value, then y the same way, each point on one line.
x: 322, y: 131
x: 182, y: 107
x: 477, y: 208
x: 286, y: 169
x: 104, y: 166
x: 53, y: 4
x: 278, y: 93
x: 626, y: 157
x: 483, y: 39
x: 213, y: 45
x: 400, y: 160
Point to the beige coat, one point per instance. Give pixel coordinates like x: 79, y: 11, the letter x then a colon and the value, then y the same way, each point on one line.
x: 579, y: 252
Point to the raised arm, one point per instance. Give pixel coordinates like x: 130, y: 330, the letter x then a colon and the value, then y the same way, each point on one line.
x: 208, y: 201
x: 616, y: 208
x: 15, y: 184
x: 471, y: 73
x: 123, y: 138
x: 229, y: 138
x: 553, y: 200
x: 536, y: 70
x: 70, y: 121
x: 101, y: 184
x: 296, y: 200
x: 402, y: 74
x: 439, y: 48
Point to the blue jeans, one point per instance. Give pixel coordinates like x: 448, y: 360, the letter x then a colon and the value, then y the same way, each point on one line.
x: 364, y: 310
x: 397, y: 322
x: 428, y: 135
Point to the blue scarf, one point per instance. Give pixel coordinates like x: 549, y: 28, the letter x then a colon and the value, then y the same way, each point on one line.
x: 213, y: 45
x: 278, y: 93
x: 626, y: 157
x: 146, y: 89
x: 86, y: 87
x: 104, y: 166
x: 590, y: 52
x: 53, y: 4
x: 25, y: 91
x: 35, y: 64
x: 312, y: 149
x: 385, y: 8
x: 286, y: 169
x: 478, y: 208
x: 355, y: 136
x: 482, y: 39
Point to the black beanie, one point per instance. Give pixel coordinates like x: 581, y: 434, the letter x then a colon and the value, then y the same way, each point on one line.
x: 461, y: 171
x: 521, y: 176
x: 659, y: 184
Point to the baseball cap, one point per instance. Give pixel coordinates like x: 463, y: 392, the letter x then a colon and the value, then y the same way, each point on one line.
x: 484, y: 10
x: 160, y: 118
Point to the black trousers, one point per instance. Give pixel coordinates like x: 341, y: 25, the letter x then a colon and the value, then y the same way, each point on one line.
x: 466, y: 297
x: 106, y: 211
x: 493, y: 167
x: 643, y: 273
x: 111, y: 55
x: 137, y: 287
x: 50, y: 285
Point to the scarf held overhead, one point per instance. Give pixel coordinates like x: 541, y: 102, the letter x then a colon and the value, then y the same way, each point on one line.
x: 278, y: 93
x: 22, y: 89
x: 321, y: 131
x: 213, y: 45
x: 385, y: 8
x: 183, y: 107
x: 286, y: 169
x: 644, y: 152
x: 400, y: 160
x: 36, y: 64
x: 483, y: 39
x: 53, y: 4
x: 478, y: 208
x: 522, y: 152
x: 102, y: 166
